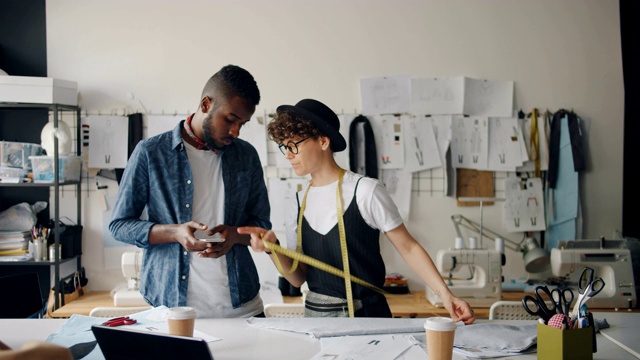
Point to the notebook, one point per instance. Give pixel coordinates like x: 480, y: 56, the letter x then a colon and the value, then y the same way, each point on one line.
x: 122, y: 344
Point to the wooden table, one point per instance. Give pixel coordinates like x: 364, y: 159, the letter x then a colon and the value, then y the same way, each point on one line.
x: 84, y: 304
x: 413, y: 305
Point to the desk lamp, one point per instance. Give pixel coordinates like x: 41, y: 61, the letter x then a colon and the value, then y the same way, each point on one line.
x: 535, y: 258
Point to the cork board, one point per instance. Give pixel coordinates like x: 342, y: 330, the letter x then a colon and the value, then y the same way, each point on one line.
x: 474, y: 183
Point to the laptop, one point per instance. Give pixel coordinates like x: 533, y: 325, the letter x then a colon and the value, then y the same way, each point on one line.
x: 122, y: 344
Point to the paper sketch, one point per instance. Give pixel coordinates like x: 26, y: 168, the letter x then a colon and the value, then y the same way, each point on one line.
x: 385, y: 95
x: 388, y: 133
x: 470, y: 145
x: 524, y: 206
x: 342, y: 157
x: 255, y: 132
x: 398, y: 184
x: 281, y: 192
x: 421, y: 147
x: 543, y: 144
x: 364, y: 347
x: 108, y: 148
x: 442, y: 131
x: 505, y: 140
x: 436, y: 96
x: 488, y: 97
x: 157, y: 124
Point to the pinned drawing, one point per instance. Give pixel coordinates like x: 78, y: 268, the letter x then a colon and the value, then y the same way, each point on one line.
x: 385, y: 95
x: 470, y: 145
x: 421, y: 147
x: 524, y: 209
x: 389, y: 137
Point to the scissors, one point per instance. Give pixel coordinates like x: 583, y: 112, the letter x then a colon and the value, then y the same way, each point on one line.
x: 541, y: 308
x: 588, y: 288
x: 562, y: 299
x: 122, y: 320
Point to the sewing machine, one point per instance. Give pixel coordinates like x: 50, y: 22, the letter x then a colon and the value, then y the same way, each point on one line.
x: 131, y: 264
x: 482, y: 288
x: 611, y: 260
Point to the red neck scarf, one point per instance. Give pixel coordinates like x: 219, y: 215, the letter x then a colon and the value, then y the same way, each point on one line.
x: 201, y: 145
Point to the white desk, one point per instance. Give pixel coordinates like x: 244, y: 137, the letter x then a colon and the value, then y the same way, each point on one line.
x: 241, y: 341
x: 625, y: 332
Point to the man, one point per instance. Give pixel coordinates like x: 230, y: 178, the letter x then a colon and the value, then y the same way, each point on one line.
x: 199, y: 176
x: 341, y: 214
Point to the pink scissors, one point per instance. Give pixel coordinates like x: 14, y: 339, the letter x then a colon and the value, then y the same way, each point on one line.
x: 122, y: 320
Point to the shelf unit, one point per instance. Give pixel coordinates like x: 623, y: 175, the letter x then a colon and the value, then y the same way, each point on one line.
x: 55, y: 113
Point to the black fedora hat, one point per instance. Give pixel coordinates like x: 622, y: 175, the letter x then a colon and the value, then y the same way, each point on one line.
x: 323, y: 117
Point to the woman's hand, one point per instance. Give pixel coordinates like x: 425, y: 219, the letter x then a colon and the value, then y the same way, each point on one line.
x: 258, y: 237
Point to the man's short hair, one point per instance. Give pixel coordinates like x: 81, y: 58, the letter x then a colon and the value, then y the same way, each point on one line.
x: 231, y: 81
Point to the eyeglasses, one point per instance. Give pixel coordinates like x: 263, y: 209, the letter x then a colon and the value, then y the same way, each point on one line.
x: 291, y: 146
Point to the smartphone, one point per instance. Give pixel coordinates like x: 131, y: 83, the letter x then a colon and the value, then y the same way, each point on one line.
x: 202, y: 236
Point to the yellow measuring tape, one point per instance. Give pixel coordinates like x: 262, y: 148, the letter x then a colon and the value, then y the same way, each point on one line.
x: 298, y: 256
x: 534, y: 141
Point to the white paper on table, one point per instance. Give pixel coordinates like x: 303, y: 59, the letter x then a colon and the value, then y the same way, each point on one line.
x: 363, y: 347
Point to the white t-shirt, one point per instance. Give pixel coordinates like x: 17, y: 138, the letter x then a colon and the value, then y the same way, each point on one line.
x: 208, y: 289
x: 374, y: 202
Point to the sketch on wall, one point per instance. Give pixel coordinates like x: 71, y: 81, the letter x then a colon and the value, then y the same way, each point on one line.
x: 388, y: 133
x: 524, y: 206
x: 385, y: 95
x: 505, y: 144
x: 488, y: 97
x: 469, y: 144
x: 109, y: 143
x: 437, y: 96
x: 421, y: 147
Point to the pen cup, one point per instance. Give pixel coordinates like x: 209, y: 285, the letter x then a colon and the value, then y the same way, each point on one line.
x: 441, y: 332
x: 39, y: 248
x: 181, y: 321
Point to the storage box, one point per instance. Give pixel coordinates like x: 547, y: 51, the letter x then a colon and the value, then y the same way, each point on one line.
x: 557, y: 344
x: 39, y: 90
x: 70, y: 167
x: 16, y: 154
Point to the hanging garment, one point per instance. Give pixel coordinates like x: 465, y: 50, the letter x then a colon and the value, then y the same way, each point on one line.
x: 575, y: 137
x: 370, y: 165
x: 562, y: 199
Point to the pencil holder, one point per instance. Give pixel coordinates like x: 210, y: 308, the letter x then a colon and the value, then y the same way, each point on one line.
x: 558, y: 344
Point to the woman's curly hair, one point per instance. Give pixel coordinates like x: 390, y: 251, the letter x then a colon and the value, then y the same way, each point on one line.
x: 287, y: 125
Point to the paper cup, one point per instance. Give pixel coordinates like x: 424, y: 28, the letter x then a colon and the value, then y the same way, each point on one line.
x: 440, y: 334
x: 181, y: 320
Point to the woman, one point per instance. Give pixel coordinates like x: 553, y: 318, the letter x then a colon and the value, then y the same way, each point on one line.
x: 308, y: 135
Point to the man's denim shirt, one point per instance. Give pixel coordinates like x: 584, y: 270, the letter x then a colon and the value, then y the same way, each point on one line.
x: 158, y: 176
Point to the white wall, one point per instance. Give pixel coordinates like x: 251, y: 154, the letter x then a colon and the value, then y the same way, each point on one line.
x: 561, y: 54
